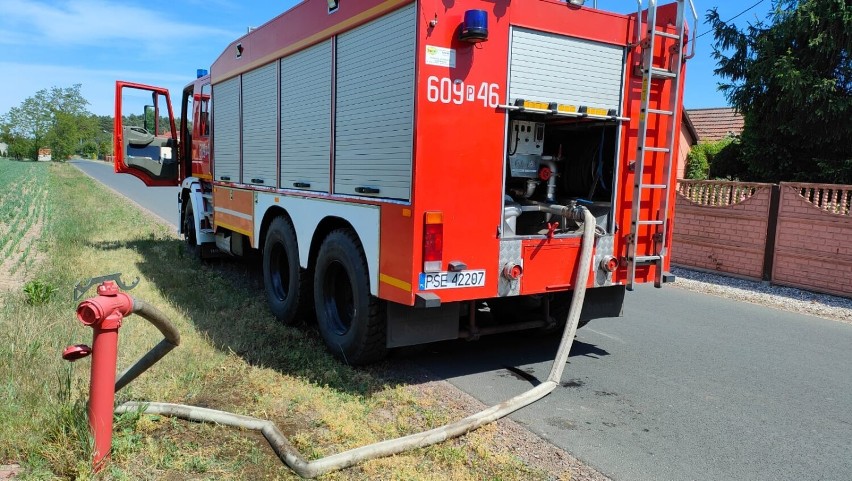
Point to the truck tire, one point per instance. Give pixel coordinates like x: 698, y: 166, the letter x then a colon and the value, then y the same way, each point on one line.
x: 350, y: 320
x: 190, y: 237
x: 282, y: 277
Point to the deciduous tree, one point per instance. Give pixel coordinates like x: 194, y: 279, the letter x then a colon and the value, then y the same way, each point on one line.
x: 54, y: 118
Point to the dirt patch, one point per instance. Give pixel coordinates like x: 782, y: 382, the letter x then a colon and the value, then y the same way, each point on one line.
x: 10, y: 471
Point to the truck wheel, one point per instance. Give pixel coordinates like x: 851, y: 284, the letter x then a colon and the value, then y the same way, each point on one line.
x: 189, y: 235
x: 350, y: 320
x: 282, y: 276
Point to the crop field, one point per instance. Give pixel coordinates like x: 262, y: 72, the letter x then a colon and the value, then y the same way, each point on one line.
x: 23, y: 206
x: 60, y: 227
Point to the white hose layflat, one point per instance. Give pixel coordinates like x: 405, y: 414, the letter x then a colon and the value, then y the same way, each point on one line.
x: 310, y: 469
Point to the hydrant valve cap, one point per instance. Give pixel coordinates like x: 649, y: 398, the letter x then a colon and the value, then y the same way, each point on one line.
x: 108, y: 288
x: 77, y: 351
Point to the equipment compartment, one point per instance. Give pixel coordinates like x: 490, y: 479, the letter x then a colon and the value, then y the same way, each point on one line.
x: 557, y: 161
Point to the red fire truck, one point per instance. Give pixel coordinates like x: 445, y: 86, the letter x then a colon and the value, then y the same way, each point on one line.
x: 397, y: 162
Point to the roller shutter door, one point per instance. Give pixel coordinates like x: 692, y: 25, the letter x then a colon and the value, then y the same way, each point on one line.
x: 260, y: 125
x: 554, y: 68
x: 306, y: 119
x: 375, y: 107
x: 226, y: 130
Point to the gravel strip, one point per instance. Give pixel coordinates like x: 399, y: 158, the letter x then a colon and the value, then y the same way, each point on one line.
x: 785, y: 298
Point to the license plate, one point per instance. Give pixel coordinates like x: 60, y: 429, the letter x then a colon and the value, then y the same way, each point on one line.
x: 451, y: 280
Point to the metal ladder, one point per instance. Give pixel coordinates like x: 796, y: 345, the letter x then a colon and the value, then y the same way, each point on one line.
x: 659, y: 223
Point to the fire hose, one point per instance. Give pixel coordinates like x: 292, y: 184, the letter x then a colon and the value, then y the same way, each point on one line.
x: 286, y: 452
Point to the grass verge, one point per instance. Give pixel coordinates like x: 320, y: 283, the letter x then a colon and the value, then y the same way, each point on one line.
x: 233, y: 356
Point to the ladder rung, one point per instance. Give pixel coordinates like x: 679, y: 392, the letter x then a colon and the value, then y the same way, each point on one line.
x: 660, y: 112
x: 646, y: 259
x: 666, y: 34
x: 658, y: 72
x: 656, y: 149
x: 650, y: 222
x: 653, y: 186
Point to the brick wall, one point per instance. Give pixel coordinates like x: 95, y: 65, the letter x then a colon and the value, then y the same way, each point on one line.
x: 721, y: 226
x: 814, y: 238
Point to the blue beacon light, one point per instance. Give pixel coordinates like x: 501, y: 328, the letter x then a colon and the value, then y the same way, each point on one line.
x: 475, y: 26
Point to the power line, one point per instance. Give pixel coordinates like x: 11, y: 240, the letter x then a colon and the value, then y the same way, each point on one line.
x: 732, y: 18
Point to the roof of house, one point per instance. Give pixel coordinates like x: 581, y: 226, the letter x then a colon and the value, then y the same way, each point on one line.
x: 715, y: 124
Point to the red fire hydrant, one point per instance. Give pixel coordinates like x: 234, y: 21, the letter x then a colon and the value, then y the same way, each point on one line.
x: 103, y: 314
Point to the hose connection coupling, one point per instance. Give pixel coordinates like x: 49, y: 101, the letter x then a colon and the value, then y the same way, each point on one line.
x: 107, y: 309
x: 577, y: 212
x: 609, y: 263
x: 512, y: 271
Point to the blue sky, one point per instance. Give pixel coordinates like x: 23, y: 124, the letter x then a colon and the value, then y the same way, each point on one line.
x: 94, y: 42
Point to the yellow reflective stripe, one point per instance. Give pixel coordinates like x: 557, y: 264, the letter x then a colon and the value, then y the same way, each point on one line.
x: 233, y: 228
x: 393, y: 281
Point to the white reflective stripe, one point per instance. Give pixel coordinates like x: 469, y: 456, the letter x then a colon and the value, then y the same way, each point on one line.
x: 233, y: 213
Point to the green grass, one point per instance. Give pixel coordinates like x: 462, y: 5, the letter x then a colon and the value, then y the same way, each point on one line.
x: 233, y: 356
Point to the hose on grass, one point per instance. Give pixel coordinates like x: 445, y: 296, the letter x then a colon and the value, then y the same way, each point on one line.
x: 310, y: 469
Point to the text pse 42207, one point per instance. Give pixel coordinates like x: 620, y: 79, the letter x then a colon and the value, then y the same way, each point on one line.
x: 451, y: 280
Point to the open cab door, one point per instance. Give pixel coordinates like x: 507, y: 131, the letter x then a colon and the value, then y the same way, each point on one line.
x: 144, y: 138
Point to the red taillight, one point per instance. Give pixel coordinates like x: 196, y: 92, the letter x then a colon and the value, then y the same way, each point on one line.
x: 433, y: 242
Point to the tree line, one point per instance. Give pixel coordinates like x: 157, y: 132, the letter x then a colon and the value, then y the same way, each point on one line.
x: 56, y: 118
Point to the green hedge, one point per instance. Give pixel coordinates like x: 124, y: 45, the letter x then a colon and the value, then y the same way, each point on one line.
x: 701, y: 157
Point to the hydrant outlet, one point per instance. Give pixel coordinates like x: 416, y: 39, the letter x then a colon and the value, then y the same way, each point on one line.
x: 88, y: 313
x: 105, y: 311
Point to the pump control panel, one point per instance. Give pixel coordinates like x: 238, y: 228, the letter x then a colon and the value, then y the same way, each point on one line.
x: 526, y: 141
x: 526, y: 138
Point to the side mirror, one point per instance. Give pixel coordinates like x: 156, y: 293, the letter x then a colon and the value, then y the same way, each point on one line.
x: 149, y: 117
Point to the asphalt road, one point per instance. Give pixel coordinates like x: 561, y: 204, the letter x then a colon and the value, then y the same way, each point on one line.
x: 161, y: 201
x: 685, y: 386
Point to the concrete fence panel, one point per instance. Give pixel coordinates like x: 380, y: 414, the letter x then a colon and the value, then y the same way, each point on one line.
x: 814, y: 238
x: 721, y: 226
